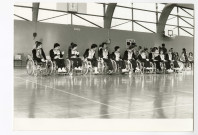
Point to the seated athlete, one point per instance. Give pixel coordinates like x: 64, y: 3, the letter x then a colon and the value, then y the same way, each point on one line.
x: 156, y: 58
x: 190, y: 59
x: 183, y: 58
x: 129, y: 55
x: 143, y: 58
x: 117, y: 57
x: 176, y: 59
x: 38, y: 53
x: 89, y: 55
x: 57, y: 56
x: 74, y: 56
x: 169, y: 57
x: 104, y: 54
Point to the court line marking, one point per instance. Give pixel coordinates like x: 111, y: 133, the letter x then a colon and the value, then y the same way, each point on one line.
x: 73, y: 94
x: 147, y: 110
x: 123, y: 111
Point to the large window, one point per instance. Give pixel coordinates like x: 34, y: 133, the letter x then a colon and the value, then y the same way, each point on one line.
x: 142, y: 17
x: 181, y: 22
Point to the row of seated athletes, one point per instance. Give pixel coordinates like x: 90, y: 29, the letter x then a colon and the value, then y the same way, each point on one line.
x: 143, y: 57
x: 89, y: 55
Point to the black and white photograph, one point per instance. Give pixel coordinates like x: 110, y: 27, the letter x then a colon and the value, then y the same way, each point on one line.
x: 103, y: 61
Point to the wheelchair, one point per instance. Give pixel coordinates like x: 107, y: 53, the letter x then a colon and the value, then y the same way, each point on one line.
x: 71, y: 69
x: 118, y: 70
x: 103, y: 67
x: 129, y: 66
x: 88, y: 68
x: 150, y: 69
x: 162, y: 66
x: 55, y: 69
x: 38, y: 68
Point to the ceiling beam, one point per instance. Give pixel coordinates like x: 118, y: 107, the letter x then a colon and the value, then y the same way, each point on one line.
x: 108, y: 15
x: 35, y: 10
x: 164, y: 17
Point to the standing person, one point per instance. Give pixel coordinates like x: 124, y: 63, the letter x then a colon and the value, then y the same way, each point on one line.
x: 164, y: 48
x: 90, y: 56
x: 69, y: 48
x: 74, y: 56
x: 150, y: 55
x: 57, y: 56
x: 38, y: 53
x: 117, y: 57
x: 130, y: 56
x: 104, y: 54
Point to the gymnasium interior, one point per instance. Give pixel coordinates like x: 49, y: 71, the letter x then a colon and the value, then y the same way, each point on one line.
x: 138, y: 95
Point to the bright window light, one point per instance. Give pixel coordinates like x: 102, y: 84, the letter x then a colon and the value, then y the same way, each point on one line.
x: 122, y: 13
x: 23, y: 12
x: 97, y: 20
x: 60, y: 20
x: 28, y: 4
x: 94, y: 8
x: 124, y: 4
x: 144, y: 16
x: 146, y: 6
x: 81, y: 22
x: 140, y: 28
x: 184, y: 33
x: 44, y: 14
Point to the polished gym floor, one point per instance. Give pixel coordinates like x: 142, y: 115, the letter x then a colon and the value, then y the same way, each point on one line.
x: 148, y: 96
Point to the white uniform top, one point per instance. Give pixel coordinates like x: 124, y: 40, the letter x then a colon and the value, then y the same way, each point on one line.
x: 117, y: 56
x: 91, y: 54
x: 74, y: 52
x: 143, y: 55
x: 162, y: 57
x: 170, y: 56
x: 105, y: 53
x: 190, y: 58
x: 57, y: 52
x: 130, y: 55
x: 38, y: 53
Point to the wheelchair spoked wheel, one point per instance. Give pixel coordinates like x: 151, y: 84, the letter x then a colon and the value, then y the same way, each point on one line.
x: 37, y: 70
x: 105, y: 68
x: 152, y: 68
x: 140, y: 68
x: 100, y: 67
x: 54, y: 68
x: 30, y: 67
x: 129, y: 67
x: 115, y: 66
x: 162, y: 65
x: 85, y: 67
x: 49, y: 67
x: 68, y: 66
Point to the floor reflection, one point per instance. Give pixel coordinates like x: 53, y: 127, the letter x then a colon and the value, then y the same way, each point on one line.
x: 76, y: 96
